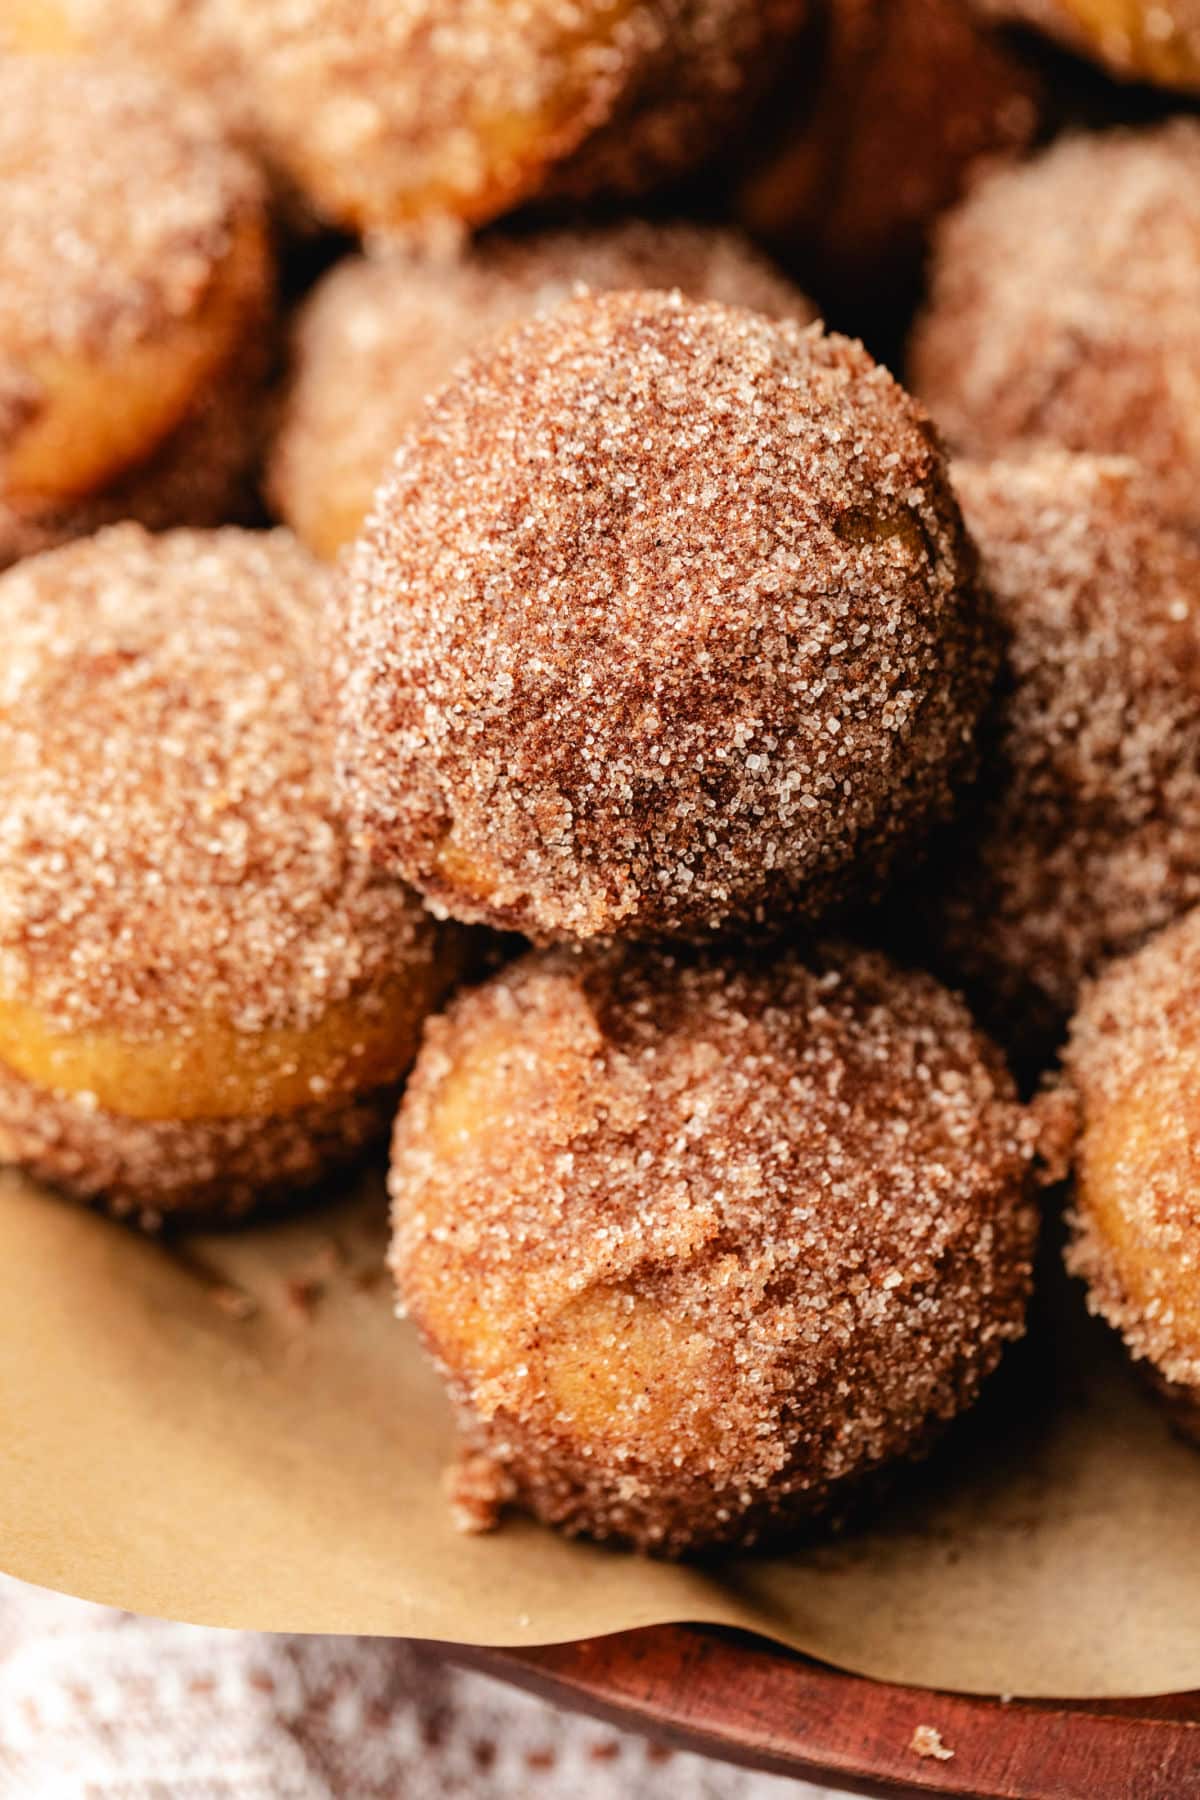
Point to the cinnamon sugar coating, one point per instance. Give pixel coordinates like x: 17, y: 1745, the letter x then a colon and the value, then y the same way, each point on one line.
x: 664, y: 621
x: 1134, y: 1059
x: 393, y: 114
x: 398, y: 114
x: 169, y: 843
x: 389, y: 115
x: 698, y: 1243
x: 920, y: 89
x: 382, y: 332
x: 1084, y: 835
x: 179, y: 896
x: 182, y: 1171
x: 1063, y: 305
x: 119, y: 196
x: 135, y: 302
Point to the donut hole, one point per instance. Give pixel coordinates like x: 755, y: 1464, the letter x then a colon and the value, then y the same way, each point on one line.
x: 377, y: 147
x: 637, y: 641
x: 654, y: 1219
x: 383, y: 331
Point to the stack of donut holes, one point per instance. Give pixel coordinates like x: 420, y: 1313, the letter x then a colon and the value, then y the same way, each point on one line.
x: 488, y: 663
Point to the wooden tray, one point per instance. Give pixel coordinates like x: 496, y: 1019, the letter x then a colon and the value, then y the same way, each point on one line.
x: 746, y: 1701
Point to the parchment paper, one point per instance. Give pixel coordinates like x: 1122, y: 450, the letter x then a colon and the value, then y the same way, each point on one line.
x: 236, y: 1431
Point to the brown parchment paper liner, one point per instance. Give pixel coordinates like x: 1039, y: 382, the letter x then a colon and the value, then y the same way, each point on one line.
x: 283, y: 1471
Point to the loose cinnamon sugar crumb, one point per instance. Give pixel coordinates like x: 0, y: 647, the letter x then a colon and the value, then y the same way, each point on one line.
x: 207, y: 873
x: 478, y: 1490
x: 1063, y: 306
x: 118, y: 198
x: 926, y: 1740
x: 381, y: 333
x: 1085, y: 834
x: 1055, y: 1112
x: 664, y: 620
x: 697, y: 1242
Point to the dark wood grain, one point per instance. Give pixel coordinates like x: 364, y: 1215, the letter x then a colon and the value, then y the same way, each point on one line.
x: 746, y: 1701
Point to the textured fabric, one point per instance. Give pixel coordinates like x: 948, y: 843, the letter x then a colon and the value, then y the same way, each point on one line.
x: 99, y: 1705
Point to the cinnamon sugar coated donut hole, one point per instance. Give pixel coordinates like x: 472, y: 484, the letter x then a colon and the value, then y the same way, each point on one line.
x: 664, y: 622
x: 1148, y: 40
x: 136, y: 294
x: 1134, y: 1061
x: 699, y: 1243
x: 391, y: 114
x: 1063, y: 305
x: 205, y: 997
x: 919, y: 88
x: 1085, y: 834
x: 380, y: 333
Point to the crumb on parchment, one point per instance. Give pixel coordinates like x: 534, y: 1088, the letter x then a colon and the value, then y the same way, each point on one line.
x: 478, y: 1490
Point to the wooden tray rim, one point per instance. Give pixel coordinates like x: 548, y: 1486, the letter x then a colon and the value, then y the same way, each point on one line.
x: 744, y: 1700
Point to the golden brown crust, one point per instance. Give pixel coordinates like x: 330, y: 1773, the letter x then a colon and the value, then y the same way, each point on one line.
x: 380, y: 333
x: 1063, y: 303
x: 1134, y: 1059
x: 199, y: 1170
x: 201, y: 476
x: 698, y: 1243
x: 664, y: 621
x: 1084, y: 836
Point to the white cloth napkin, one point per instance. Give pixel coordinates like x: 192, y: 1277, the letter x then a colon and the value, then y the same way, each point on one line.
x: 101, y: 1705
